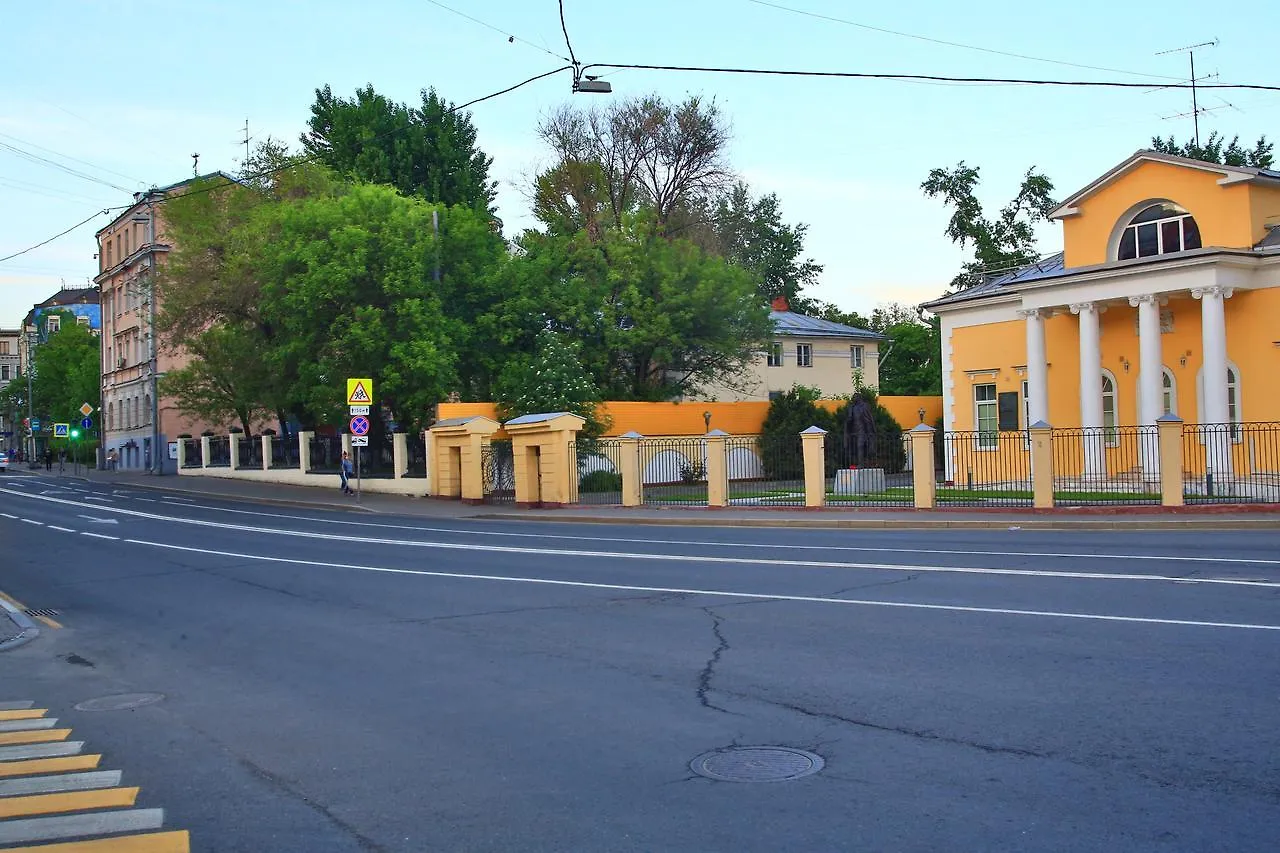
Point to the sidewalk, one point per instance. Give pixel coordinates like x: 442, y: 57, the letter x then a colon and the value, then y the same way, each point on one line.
x: 1118, y: 518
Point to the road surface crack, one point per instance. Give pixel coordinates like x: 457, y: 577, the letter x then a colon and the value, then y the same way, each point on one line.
x: 283, y: 785
x: 709, y: 670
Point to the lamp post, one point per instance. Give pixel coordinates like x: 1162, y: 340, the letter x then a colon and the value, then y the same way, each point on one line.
x: 706, y: 419
x: 920, y: 412
x: 31, y: 409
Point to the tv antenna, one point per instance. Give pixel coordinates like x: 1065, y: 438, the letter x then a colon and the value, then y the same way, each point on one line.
x: 1190, y: 50
x: 195, y: 164
x: 245, y: 142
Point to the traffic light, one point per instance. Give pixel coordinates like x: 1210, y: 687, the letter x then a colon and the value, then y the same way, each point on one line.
x: 75, y: 433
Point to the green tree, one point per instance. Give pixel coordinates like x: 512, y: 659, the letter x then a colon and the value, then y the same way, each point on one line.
x: 790, y: 413
x: 1216, y: 149
x: 911, y: 361
x: 552, y: 380
x: 427, y: 151
x: 221, y: 383
x: 67, y: 371
x: 1000, y: 243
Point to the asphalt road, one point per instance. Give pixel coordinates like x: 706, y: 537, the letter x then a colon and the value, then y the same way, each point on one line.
x: 341, y: 682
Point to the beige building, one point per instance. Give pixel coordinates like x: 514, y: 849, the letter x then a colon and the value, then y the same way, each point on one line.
x: 807, y: 351
x: 129, y: 251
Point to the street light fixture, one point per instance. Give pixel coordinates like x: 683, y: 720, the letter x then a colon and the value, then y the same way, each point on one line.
x: 31, y: 331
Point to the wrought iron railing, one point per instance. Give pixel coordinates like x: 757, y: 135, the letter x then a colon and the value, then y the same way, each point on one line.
x: 599, y: 471
x: 284, y: 452
x: 674, y: 471
x: 985, y: 468
x: 1106, y: 465
x: 193, y: 453
x: 497, y: 469
x: 326, y: 453
x: 873, y: 471
x: 765, y: 471
x: 1231, y: 463
x: 249, y: 452
x: 416, y: 444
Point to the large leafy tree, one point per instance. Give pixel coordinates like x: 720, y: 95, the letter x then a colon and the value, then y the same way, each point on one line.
x: 911, y: 363
x: 1000, y: 242
x: 551, y: 380
x: 1216, y: 149
x: 222, y: 383
x: 67, y: 372
x: 427, y: 150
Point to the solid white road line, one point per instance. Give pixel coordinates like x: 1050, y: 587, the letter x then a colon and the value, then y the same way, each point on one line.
x: 99, y: 536
x: 57, y: 784
x: 951, y: 608
x: 40, y: 750
x: 30, y: 521
x: 681, y: 558
x: 71, y: 826
x: 63, y: 529
x: 27, y: 725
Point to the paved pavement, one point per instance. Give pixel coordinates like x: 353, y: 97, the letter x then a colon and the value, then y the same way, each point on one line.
x: 392, y: 682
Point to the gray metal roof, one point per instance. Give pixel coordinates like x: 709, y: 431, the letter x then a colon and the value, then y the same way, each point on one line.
x: 791, y: 323
x: 1272, y: 240
x: 1046, y: 267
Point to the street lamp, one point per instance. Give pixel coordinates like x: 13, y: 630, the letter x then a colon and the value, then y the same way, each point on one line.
x: 706, y: 419
x: 31, y: 409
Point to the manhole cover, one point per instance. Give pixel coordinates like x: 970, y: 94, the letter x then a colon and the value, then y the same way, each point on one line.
x: 121, y: 702
x: 757, y: 764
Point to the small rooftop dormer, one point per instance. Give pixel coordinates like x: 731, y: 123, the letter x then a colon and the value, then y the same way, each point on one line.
x: 1157, y: 204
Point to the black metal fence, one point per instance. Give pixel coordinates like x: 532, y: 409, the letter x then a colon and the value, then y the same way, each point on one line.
x: 1106, y: 465
x: 193, y: 453
x: 673, y: 471
x: 249, y: 452
x: 417, y: 451
x: 326, y: 453
x: 219, y: 451
x: 497, y: 469
x: 875, y: 471
x: 599, y: 471
x: 765, y: 471
x: 985, y: 468
x: 1231, y: 463
x: 284, y: 452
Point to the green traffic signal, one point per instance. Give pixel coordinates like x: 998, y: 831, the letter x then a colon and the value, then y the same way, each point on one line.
x: 75, y: 433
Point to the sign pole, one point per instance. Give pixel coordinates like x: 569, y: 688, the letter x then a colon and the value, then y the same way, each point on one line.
x: 359, y: 455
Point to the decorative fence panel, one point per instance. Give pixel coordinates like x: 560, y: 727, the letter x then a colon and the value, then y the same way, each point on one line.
x: 497, y: 468
x: 765, y: 471
x: 873, y: 472
x: 284, y: 452
x: 326, y: 453
x: 599, y: 471
x: 1231, y: 463
x: 416, y: 444
x: 674, y: 471
x: 249, y: 452
x: 192, y: 451
x: 1108, y: 465
x: 220, y: 451
x: 983, y: 468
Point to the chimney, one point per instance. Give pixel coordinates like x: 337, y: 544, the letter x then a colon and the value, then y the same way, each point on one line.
x: 780, y: 304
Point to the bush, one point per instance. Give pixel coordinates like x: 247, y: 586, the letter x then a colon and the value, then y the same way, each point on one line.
x: 600, y: 481
x: 791, y: 413
x: 693, y: 472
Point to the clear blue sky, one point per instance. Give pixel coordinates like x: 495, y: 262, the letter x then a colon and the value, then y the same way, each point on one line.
x: 134, y: 87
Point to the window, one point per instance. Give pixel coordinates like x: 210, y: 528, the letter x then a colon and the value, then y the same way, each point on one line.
x: 986, y: 416
x: 1170, y: 391
x: 855, y: 357
x: 82, y: 321
x: 4, y: 347
x: 1109, y: 430
x: 111, y: 416
x: 1233, y: 399
x: 53, y: 324
x: 1158, y: 230
x: 804, y: 355
x: 4, y: 373
x: 775, y: 354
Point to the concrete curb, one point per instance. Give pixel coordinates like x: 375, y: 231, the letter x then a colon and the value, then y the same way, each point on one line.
x: 28, y: 630
x: 1141, y: 524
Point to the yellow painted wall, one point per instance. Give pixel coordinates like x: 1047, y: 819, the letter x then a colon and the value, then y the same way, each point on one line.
x: 1230, y: 216
x: 745, y: 418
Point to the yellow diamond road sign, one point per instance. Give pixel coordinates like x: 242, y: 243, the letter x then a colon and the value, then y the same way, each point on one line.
x: 359, y: 392
x: 86, y: 410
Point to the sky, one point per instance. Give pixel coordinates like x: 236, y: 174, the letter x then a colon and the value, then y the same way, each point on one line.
x: 124, y: 93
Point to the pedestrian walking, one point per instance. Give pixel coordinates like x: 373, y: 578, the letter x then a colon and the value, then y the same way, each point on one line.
x: 62, y: 461
x: 48, y: 460
x: 345, y: 473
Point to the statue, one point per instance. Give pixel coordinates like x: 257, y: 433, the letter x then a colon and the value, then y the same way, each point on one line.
x: 860, y: 429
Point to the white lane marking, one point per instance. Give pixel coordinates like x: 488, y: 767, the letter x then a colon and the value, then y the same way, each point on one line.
x: 71, y: 826
x: 103, y: 500
x: 7, y: 515
x: 677, y: 558
x: 64, y: 782
x: 100, y: 536
x: 62, y: 529
x: 1057, y: 555
x: 950, y: 608
x: 27, y: 725
x: 176, y: 498
x: 37, y: 523
x: 40, y: 750
x: 94, y: 518
x: 147, y: 500
x: 20, y: 705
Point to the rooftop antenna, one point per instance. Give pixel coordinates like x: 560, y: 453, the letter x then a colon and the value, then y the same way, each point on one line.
x: 195, y: 164
x: 1190, y: 50
x: 245, y: 142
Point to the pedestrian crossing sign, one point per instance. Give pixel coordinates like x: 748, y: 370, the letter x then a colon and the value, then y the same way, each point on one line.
x: 61, y: 430
x: 359, y: 392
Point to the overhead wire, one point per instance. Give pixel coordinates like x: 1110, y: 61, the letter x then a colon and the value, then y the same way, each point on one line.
x: 36, y: 158
x: 31, y: 144
x: 46, y: 242
x: 510, y: 36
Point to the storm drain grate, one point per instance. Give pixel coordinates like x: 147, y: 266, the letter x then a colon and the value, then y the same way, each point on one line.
x: 757, y: 764
x: 47, y: 612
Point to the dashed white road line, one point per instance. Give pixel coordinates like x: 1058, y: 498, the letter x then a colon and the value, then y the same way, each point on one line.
x: 31, y: 521
x: 99, y: 536
x: 62, y: 529
x: 7, y: 515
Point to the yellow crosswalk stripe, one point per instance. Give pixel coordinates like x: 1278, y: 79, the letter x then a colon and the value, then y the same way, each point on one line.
x: 156, y: 842
x: 29, y: 714
x: 77, y: 801
x: 44, y: 736
x: 32, y: 766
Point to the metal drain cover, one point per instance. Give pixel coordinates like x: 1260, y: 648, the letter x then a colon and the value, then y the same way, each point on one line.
x: 120, y: 702
x: 757, y: 764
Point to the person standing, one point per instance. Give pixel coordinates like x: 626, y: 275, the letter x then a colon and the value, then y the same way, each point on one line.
x: 345, y: 473
x: 48, y: 460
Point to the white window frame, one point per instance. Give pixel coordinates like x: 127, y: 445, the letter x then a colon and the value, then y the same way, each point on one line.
x: 1159, y: 226
x: 774, y: 357
x: 1234, y: 405
x: 804, y: 355
x: 53, y: 324
x: 856, y: 356
x: 82, y: 321
x: 4, y: 373
x: 986, y: 439
x: 1110, y: 432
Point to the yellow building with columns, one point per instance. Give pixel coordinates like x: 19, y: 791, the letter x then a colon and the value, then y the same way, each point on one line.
x: 1164, y: 300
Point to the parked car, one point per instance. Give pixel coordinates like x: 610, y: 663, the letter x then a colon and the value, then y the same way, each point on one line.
x: 4, y: 461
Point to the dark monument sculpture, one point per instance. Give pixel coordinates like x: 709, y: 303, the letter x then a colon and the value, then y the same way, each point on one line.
x: 860, y: 429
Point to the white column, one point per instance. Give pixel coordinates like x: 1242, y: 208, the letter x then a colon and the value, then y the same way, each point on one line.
x: 1091, y: 388
x: 1213, y: 331
x: 1037, y: 366
x: 1150, y: 364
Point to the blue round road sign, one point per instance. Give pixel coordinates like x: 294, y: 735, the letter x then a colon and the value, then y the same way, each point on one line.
x: 359, y: 425
x: 86, y: 423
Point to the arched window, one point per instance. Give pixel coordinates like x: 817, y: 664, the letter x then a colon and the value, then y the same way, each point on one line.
x: 1169, y: 387
x: 1158, y: 230
x: 1109, y: 409
x: 1233, y: 398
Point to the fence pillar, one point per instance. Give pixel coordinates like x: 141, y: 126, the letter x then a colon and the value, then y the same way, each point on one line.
x: 204, y: 451
x: 629, y: 463
x: 399, y: 454
x: 304, y: 450
x: 233, y: 445
x: 813, y: 443
x: 430, y: 468
x: 346, y: 444
x: 1041, y: 465
x: 717, y: 469
x: 923, y: 478
x: 1169, y: 427
x: 266, y: 452
x: 182, y: 454
x: 473, y: 484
